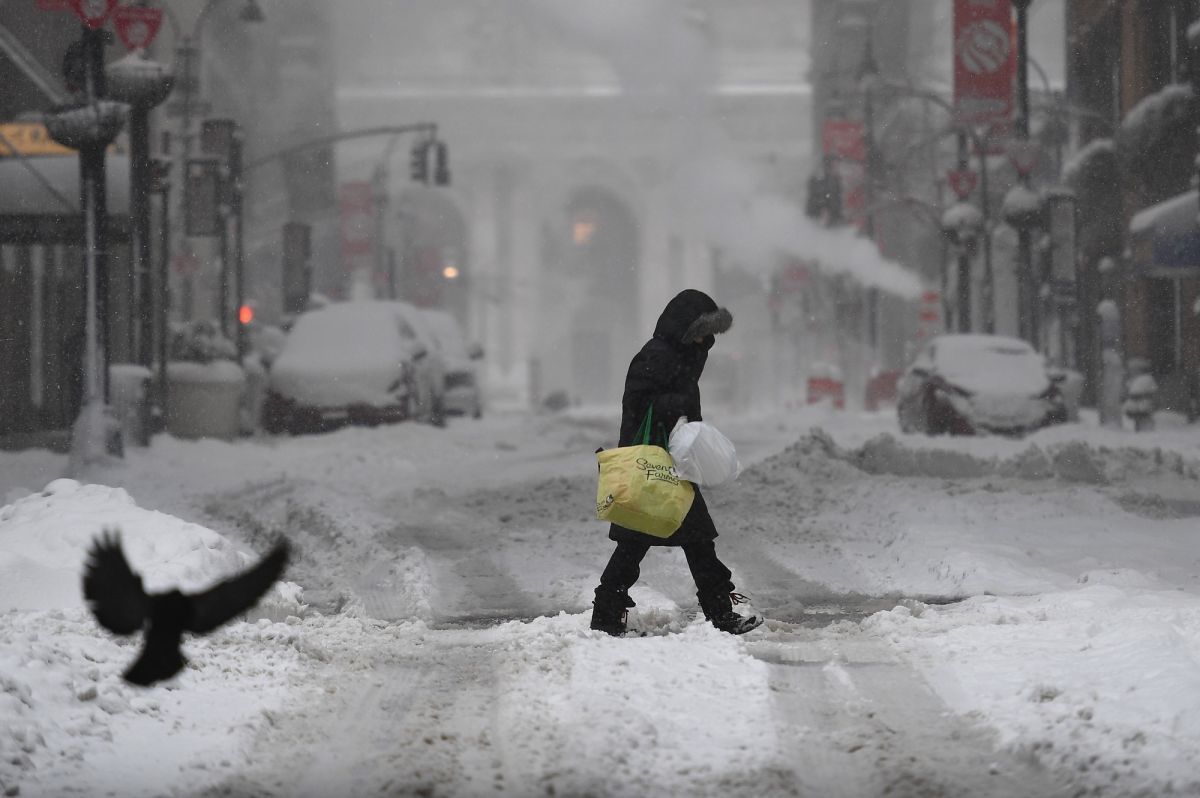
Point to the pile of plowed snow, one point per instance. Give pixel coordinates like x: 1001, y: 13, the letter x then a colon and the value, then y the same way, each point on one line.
x: 1069, y: 461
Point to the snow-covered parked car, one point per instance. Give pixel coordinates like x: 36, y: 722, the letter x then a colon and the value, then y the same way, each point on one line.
x: 970, y: 384
x: 353, y: 362
x: 463, y: 395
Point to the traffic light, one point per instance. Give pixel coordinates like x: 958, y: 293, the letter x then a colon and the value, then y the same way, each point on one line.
x: 246, y: 314
x: 441, y: 165
x: 419, y: 162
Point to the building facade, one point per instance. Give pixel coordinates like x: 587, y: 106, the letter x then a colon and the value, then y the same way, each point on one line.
x: 266, y: 66
x: 1132, y: 83
x: 596, y: 169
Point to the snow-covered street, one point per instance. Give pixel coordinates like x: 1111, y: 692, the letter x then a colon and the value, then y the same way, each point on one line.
x: 945, y: 617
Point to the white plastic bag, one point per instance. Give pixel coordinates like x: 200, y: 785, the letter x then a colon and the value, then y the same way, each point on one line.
x: 702, y: 454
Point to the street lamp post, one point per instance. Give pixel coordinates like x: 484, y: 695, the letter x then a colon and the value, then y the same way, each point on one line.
x: 962, y: 224
x: 160, y: 185
x: 89, y: 127
x: 1026, y: 293
x: 143, y: 84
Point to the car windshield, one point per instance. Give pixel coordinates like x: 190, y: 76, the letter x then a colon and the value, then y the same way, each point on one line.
x: 447, y: 334
x: 990, y: 364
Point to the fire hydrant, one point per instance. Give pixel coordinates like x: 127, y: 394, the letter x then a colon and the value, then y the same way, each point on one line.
x: 1141, y: 397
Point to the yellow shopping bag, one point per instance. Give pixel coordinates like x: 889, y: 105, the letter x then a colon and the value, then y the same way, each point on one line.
x: 638, y: 487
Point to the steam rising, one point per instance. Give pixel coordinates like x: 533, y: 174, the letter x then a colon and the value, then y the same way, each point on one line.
x: 660, y: 52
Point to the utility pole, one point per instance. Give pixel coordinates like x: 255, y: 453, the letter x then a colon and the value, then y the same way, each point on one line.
x: 1026, y: 290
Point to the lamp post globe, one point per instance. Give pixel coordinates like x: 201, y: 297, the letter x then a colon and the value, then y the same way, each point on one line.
x: 81, y: 126
x: 962, y: 224
x: 1022, y: 208
x: 138, y: 81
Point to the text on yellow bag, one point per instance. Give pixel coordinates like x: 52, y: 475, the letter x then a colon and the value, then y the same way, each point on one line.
x: 638, y: 488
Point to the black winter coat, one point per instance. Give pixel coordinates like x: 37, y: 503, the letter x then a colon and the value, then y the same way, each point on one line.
x: 665, y: 374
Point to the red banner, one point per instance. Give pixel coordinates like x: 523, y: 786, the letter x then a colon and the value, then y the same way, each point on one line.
x: 984, y: 60
x: 137, y: 25
x: 94, y: 13
x: 358, y: 225
x: 843, y: 138
x: 845, y: 146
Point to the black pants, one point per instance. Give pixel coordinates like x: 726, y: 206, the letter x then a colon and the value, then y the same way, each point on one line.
x: 624, y: 568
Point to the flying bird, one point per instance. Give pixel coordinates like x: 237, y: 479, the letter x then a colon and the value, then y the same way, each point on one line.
x: 115, y: 595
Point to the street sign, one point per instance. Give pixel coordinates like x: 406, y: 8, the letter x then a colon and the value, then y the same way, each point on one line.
x: 137, y: 25
x: 1060, y: 216
x: 29, y: 138
x: 94, y: 13
x: 1024, y: 155
x: 217, y: 137
x: 962, y: 182
x: 202, y: 184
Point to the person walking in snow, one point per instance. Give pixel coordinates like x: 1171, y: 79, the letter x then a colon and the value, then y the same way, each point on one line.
x: 665, y: 374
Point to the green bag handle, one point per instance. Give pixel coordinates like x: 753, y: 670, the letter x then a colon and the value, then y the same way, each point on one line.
x: 642, y: 435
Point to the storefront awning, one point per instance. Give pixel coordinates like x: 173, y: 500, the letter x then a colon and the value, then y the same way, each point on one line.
x: 39, y: 199
x: 1165, y: 238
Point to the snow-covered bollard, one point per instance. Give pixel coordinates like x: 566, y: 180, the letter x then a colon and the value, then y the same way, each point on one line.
x: 1112, y: 371
x: 1140, y: 399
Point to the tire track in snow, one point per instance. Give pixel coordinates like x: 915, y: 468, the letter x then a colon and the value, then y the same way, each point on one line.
x: 416, y: 722
x: 470, y: 584
x: 854, y: 721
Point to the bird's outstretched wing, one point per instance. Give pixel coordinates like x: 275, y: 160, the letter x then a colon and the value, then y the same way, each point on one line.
x: 113, y: 591
x: 237, y: 594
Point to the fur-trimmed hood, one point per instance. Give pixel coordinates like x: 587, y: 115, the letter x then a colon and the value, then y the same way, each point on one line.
x: 692, y: 314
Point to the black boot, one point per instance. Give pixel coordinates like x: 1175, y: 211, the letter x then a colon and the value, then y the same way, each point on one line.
x: 609, y: 611
x: 718, y: 609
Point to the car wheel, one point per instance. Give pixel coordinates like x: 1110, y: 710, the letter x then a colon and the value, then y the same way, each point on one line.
x: 275, y: 420
x: 933, y: 425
